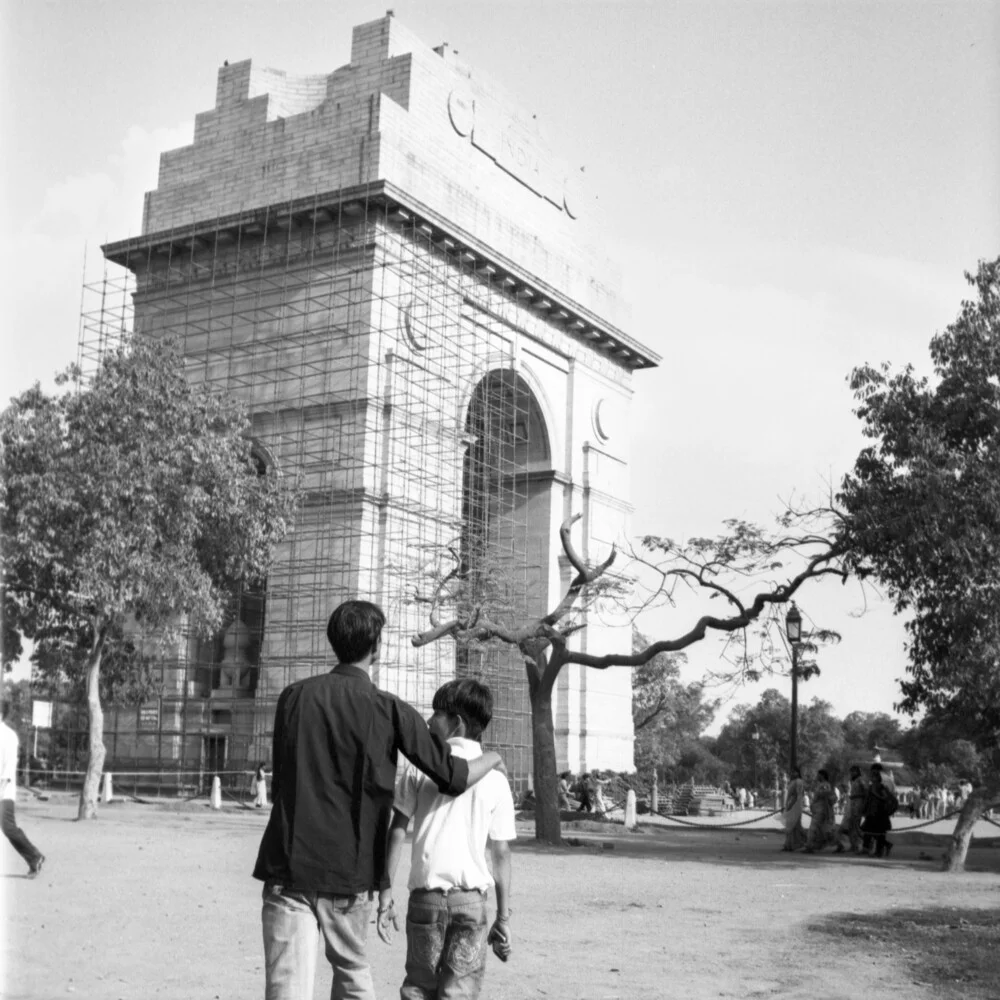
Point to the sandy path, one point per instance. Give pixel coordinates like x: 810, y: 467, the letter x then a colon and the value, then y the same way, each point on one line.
x: 152, y: 903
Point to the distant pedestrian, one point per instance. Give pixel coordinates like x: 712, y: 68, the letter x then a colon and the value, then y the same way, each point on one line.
x: 601, y: 804
x: 854, y: 808
x: 822, y: 827
x: 564, y: 802
x: 880, y: 804
x: 795, y: 836
x: 8, y: 797
x: 260, y: 786
x: 583, y: 790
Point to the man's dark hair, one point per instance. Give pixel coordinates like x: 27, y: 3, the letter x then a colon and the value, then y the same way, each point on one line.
x: 354, y: 630
x: 825, y: 775
x: 4, y: 709
x: 470, y: 700
x: 855, y: 771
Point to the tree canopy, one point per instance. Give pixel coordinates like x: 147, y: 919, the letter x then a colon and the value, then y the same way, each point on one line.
x: 923, y: 511
x: 667, y: 714
x: 129, y: 505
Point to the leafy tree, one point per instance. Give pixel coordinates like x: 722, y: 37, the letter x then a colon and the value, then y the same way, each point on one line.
x: 666, y: 714
x: 863, y: 731
x: 719, y: 567
x: 130, y: 506
x: 821, y: 739
x: 695, y: 761
x: 17, y: 695
x: 922, y: 511
x: 757, y: 738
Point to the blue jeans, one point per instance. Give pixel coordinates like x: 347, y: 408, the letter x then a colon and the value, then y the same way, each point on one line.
x: 445, y: 945
x: 291, y: 919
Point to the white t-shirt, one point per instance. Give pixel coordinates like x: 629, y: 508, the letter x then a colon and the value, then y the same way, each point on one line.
x: 449, y: 832
x: 8, y: 763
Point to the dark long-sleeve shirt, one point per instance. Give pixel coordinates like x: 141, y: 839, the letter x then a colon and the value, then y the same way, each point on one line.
x: 336, y: 744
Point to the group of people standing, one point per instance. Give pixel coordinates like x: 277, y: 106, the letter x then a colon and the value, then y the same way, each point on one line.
x: 866, y: 819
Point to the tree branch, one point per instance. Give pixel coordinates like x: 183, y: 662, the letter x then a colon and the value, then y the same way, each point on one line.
x: 779, y: 595
x: 583, y: 576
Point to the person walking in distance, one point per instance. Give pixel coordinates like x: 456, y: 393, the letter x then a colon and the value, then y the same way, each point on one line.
x: 854, y: 809
x: 447, y: 928
x: 323, y: 854
x: 880, y: 804
x: 8, y: 797
x: 260, y: 786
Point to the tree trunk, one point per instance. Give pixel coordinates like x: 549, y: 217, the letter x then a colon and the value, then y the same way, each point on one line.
x: 548, y: 827
x: 972, y: 810
x: 95, y: 720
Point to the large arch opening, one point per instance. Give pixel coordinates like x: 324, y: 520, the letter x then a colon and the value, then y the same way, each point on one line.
x: 506, y: 517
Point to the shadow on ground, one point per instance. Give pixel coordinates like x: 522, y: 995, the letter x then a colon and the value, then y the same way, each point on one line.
x: 955, y: 950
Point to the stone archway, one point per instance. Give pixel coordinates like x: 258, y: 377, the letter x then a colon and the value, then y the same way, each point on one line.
x: 506, y: 502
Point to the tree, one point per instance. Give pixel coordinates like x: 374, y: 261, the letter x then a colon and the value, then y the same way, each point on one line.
x: 702, y: 564
x: 863, y: 731
x: 666, y: 714
x: 129, y: 506
x: 922, y: 509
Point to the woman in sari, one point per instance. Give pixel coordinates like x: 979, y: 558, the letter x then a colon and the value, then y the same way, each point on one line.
x: 822, y: 826
x: 795, y: 836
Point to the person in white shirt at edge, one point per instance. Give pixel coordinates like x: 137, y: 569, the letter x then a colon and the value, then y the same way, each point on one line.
x: 446, y: 920
x: 8, y: 797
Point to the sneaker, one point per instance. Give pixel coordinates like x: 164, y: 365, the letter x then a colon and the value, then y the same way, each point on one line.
x: 36, y: 866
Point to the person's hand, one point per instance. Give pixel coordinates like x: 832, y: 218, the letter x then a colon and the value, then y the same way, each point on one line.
x: 386, y: 920
x: 499, y: 938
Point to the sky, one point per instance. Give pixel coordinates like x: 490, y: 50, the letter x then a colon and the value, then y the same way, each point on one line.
x: 789, y: 190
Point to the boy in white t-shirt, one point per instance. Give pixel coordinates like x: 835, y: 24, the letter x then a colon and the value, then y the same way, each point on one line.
x: 446, y: 921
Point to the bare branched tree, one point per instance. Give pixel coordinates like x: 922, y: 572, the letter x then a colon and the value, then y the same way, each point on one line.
x: 716, y: 566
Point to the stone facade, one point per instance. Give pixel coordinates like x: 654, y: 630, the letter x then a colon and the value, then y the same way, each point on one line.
x: 357, y: 256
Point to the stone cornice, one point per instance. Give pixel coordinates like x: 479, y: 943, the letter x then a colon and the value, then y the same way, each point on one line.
x: 349, y: 205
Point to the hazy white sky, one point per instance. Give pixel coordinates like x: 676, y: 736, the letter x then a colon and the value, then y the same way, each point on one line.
x: 790, y: 189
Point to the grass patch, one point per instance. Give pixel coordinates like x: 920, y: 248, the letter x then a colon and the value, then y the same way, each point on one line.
x: 954, y: 949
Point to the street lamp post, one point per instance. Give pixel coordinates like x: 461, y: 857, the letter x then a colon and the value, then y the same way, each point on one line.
x: 755, y: 736
x: 793, y: 629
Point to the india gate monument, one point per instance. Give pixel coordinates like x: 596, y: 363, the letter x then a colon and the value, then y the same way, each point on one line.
x: 404, y: 283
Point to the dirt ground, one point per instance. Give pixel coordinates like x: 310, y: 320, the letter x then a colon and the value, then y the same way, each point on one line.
x: 149, y: 901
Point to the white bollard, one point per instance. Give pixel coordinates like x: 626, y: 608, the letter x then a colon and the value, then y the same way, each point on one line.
x: 215, y: 800
x: 631, y: 821
x: 107, y: 788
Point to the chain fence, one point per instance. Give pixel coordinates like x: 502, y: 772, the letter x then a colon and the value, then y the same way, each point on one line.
x: 617, y: 807
x: 149, y: 786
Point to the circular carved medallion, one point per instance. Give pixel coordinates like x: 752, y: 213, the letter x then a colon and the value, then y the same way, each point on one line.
x: 462, y: 111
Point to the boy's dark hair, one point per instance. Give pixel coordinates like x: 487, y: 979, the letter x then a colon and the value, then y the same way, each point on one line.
x: 825, y: 775
x: 470, y: 700
x: 4, y: 709
x: 354, y: 630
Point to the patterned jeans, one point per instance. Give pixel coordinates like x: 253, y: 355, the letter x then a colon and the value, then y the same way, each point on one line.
x: 445, y: 945
x: 291, y: 920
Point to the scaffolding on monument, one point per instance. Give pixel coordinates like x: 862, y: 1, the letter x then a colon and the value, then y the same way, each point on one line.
x: 378, y: 361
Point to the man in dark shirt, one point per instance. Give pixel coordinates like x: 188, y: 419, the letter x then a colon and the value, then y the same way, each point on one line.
x: 336, y: 742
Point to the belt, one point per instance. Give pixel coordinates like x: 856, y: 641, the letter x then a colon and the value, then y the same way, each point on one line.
x: 453, y: 891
